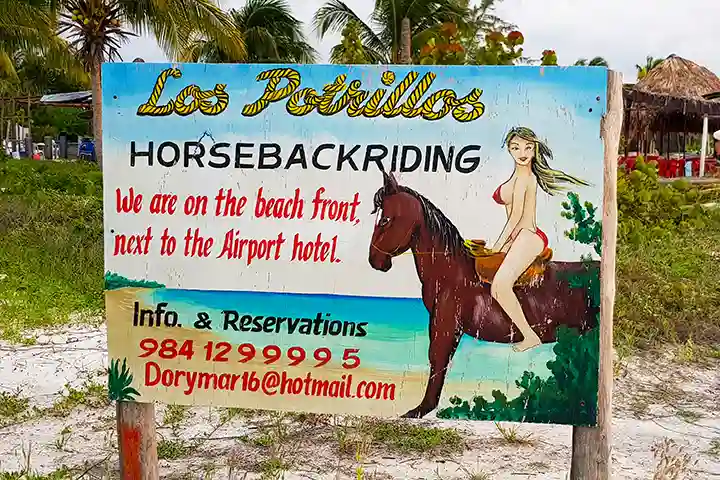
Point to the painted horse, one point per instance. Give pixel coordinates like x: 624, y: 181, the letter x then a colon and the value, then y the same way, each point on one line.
x: 456, y: 299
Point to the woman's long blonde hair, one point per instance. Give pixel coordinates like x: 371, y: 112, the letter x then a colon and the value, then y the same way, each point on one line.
x: 548, y: 178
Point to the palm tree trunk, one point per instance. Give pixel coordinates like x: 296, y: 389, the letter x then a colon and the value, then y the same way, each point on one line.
x: 405, y: 53
x: 96, y: 77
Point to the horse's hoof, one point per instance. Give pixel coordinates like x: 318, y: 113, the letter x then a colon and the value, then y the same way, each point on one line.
x: 414, y: 413
x: 526, y: 345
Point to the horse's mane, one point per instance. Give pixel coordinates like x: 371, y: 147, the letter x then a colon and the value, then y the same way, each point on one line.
x: 437, y: 223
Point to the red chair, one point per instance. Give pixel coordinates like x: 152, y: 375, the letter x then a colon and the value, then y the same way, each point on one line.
x: 673, y: 169
x: 630, y: 163
x: 711, y: 165
x: 695, y: 167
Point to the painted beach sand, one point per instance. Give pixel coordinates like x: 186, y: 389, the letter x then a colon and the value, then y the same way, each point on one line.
x: 394, y: 352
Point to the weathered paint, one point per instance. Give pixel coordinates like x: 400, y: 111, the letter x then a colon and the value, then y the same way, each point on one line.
x: 290, y: 272
x: 130, y: 438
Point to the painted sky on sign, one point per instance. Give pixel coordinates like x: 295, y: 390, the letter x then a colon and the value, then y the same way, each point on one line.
x: 562, y: 105
x: 543, y: 98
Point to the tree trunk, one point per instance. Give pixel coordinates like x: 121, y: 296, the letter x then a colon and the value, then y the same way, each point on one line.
x: 405, y: 52
x: 96, y: 76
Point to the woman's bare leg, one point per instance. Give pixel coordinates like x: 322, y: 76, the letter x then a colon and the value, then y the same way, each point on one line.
x: 524, y: 250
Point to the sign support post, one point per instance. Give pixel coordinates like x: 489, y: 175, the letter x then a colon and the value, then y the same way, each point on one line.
x: 591, y: 446
x: 137, y: 443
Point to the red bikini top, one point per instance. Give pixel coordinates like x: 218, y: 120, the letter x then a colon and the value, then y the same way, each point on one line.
x: 496, y: 196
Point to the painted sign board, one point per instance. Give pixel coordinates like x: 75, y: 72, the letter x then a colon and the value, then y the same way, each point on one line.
x: 368, y: 240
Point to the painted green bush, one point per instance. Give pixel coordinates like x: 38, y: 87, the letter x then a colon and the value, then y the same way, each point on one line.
x: 587, y: 229
x: 120, y: 382
x: 113, y: 281
x: 569, y: 396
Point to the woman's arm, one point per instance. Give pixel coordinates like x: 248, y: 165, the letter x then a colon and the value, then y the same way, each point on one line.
x: 520, y: 189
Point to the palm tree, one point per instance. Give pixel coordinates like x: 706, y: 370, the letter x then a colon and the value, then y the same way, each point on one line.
x: 271, y: 34
x: 27, y: 28
x: 97, y: 28
x: 350, y: 50
x: 650, y: 63
x: 381, y: 36
x: 481, y: 20
x: 593, y: 62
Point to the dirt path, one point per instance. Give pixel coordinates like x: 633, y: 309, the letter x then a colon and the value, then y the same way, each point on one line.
x: 67, y: 422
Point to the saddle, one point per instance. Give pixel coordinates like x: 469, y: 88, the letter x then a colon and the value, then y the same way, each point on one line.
x: 487, y: 263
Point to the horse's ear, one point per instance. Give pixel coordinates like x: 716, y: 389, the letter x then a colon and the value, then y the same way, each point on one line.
x: 391, y: 185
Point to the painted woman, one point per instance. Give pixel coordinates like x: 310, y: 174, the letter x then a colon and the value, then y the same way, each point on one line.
x: 521, y: 240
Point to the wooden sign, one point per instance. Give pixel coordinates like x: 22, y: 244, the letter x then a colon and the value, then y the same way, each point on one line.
x: 377, y: 240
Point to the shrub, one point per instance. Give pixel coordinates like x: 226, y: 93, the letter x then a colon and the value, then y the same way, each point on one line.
x: 646, y: 204
x: 30, y: 176
x: 668, y: 280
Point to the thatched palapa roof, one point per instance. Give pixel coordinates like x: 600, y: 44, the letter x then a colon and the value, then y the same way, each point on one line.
x: 681, y: 78
x: 673, y: 96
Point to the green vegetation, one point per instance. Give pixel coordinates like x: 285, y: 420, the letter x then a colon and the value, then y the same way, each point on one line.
x: 91, y: 395
x: 51, y: 244
x: 714, y: 450
x: 12, y: 408
x: 25, y: 177
x: 408, y: 437
x: 61, y: 474
x: 270, y: 32
x: 645, y: 206
x: 173, y: 449
x: 668, y: 280
x: 587, y: 229
x: 174, y: 415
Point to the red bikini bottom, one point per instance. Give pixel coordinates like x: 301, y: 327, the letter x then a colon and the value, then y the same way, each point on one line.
x: 542, y: 236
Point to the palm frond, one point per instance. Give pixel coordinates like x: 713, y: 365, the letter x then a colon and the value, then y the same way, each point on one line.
x: 334, y: 15
x: 270, y: 33
x: 175, y: 24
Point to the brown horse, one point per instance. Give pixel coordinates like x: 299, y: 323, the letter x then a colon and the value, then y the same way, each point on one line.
x: 457, y: 301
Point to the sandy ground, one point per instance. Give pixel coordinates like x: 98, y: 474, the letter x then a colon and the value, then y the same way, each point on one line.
x: 655, y: 399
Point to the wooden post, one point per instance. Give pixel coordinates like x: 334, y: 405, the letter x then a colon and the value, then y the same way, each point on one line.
x: 29, y: 131
x: 592, y: 445
x: 136, y: 441
x: 703, y: 147
x: 405, y: 41
x: 13, y: 115
x: 2, y: 122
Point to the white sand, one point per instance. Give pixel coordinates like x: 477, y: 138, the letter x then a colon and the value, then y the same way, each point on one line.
x: 652, y: 401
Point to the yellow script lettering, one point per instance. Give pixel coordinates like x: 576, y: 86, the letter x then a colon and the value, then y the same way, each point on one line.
x: 199, y: 99
x: 357, y: 102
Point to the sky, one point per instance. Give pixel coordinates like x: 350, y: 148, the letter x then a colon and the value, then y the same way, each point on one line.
x: 622, y: 31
